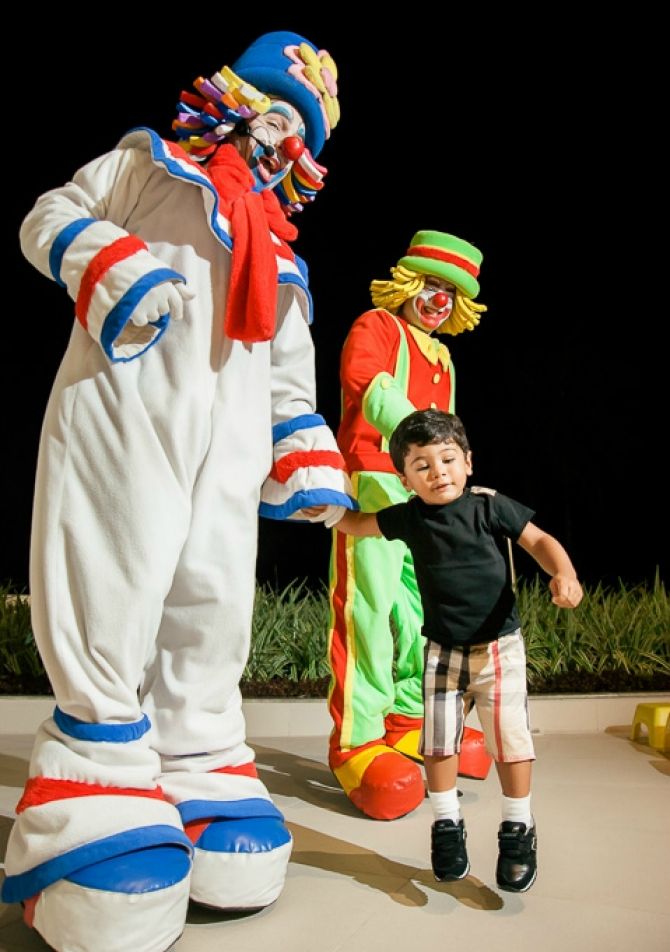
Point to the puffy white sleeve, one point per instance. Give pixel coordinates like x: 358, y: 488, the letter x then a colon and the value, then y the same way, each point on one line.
x: 308, y: 467
x: 75, y: 236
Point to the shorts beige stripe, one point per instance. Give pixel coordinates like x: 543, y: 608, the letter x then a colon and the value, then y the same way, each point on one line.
x: 491, y: 676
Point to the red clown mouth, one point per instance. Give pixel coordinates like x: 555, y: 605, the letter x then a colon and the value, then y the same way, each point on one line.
x: 430, y: 316
x: 268, y: 166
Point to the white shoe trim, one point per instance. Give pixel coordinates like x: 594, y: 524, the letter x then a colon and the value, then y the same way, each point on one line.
x: 239, y: 880
x: 72, y: 918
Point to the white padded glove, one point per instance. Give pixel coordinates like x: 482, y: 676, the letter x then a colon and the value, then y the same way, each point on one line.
x: 163, y: 299
x: 332, y: 515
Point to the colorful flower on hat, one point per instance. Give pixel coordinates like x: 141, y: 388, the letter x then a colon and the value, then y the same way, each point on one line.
x: 318, y: 72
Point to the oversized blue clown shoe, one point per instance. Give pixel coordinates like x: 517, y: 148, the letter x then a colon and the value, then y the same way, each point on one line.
x: 97, y: 865
x: 241, y: 845
x: 136, y: 900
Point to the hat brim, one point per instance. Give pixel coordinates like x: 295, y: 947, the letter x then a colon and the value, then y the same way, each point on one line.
x: 443, y: 269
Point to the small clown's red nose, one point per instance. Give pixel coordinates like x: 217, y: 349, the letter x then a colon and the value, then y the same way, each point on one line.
x: 292, y: 147
x: 440, y: 299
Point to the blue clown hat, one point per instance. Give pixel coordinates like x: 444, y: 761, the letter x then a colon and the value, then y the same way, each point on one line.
x: 289, y: 67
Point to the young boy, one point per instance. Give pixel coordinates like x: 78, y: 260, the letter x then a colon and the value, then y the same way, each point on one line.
x: 474, y: 651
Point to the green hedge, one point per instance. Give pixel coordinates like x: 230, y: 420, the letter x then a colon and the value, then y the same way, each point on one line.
x: 618, y: 637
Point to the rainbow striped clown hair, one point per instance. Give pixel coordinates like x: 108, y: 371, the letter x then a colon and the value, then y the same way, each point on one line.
x: 284, y: 66
x: 443, y: 256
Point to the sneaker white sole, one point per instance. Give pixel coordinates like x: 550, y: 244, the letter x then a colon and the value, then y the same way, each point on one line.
x: 452, y: 879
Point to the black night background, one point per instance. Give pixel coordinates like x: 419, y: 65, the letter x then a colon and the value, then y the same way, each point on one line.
x: 534, y: 141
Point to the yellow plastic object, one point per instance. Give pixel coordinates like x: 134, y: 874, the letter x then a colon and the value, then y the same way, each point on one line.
x: 655, y: 716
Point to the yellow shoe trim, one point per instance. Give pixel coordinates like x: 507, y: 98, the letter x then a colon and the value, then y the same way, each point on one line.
x: 350, y: 774
x: 409, y: 745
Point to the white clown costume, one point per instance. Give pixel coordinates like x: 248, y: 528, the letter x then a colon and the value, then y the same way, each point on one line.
x: 161, y: 440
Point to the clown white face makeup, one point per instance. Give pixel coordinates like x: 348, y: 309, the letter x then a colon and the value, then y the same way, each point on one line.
x: 432, y: 306
x: 283, y: 130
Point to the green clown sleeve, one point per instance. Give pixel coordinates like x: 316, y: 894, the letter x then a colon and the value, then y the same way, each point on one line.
x: 385, y: 404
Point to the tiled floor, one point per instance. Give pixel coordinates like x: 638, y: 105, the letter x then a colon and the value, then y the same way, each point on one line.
x: 602, y: 806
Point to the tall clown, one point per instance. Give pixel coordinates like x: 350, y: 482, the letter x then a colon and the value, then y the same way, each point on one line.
x: 185, y: 400
x: 391, y: 365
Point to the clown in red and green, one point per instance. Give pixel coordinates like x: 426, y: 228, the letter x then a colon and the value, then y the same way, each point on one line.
x: 185, y: 402
x: 391, y: 365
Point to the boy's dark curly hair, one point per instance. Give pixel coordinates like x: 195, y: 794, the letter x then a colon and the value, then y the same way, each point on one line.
x: 423, y: 427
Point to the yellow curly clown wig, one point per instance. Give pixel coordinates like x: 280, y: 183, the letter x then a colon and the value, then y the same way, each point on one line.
x: 444, y: 256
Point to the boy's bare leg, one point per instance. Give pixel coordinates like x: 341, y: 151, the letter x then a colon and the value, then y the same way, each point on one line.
x: 441, y: 772
x: 514, y: 778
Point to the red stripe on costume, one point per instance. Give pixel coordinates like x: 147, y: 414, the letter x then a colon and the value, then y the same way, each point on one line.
x: 244, y: 770
x: 195, y: 828
x: 177, y: 151
x: 41, y: 790
x: 497, y: 700
x: 98, y: 267
x: 283, y: 251
x: 424, y: 251
x: 284, y: 467
x: 29, y: 909
x: 338, y: 636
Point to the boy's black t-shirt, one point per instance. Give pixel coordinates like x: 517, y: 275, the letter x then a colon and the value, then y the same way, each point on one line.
x: 463, y: 576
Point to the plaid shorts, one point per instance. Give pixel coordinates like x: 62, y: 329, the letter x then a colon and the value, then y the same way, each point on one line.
x: 493, y: 677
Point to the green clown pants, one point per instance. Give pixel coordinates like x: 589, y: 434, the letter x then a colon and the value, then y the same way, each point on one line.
x: 374, y: 671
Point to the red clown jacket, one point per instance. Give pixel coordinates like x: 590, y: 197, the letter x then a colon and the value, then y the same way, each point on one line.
x: 384, y: 356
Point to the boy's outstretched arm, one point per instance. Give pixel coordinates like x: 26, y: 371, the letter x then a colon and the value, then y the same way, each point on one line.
x: 352, y: 523
x: 359, y: 524
x: 552, y: 557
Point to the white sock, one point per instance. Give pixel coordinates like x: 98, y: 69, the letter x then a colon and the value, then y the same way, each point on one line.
x: 517, y: 810
x: 445, y: 804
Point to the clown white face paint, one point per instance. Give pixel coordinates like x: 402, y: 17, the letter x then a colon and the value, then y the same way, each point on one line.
x: 280, y: 123
x: 432, y: 306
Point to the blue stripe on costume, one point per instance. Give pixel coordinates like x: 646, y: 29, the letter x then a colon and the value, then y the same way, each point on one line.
x: 109, y: 733
x: 304, y: 422
x: 228, y: 809
x: 139, y: 872
x: 250, y: 835
x: 119, y: 315
x: 254, y: 825
x: 16, y: 888
x: 288, y: 278
x: 304, y: 498
x: 302, y: 268
x: 160, y: 154
x: 62, y: 242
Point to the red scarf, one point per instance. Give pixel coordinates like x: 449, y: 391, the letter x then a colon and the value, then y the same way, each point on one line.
x: 251, y: 308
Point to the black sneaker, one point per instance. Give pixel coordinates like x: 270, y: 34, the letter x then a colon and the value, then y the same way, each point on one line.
x: 448, y: 853
x: 517, y: 856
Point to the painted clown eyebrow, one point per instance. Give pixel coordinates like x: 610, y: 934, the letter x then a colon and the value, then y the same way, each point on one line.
x: 288, y: 113
x: 282, y: 110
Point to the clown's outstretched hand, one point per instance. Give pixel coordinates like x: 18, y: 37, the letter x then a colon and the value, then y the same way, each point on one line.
x: 163, y: 299
x: 160, y: 301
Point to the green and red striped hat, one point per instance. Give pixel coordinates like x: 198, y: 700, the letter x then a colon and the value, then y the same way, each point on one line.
x: 445, y: 256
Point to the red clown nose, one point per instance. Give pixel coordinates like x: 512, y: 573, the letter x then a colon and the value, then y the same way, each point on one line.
x: 440, y: 300
x: 292, y: 147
